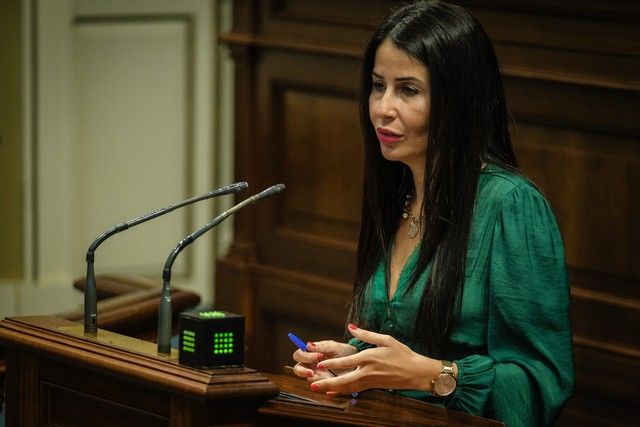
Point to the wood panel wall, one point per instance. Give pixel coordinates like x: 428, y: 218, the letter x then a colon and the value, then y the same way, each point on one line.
x: 572, y: 75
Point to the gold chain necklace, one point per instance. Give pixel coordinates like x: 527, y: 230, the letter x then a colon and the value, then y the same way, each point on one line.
x: 414, y: 223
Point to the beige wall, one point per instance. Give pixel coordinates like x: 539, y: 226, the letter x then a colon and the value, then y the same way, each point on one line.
x: 48, y: 95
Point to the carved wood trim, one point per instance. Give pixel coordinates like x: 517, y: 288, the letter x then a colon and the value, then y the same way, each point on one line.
x: 41, y: 332
x: 239, y: 39
x: 605, y: 298
x: 599, y: 345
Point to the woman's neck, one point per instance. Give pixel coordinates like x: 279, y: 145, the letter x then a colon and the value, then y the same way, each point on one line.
x: 418, y: 185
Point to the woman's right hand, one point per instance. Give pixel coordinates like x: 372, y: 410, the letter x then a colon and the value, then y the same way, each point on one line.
x: 317, y: 352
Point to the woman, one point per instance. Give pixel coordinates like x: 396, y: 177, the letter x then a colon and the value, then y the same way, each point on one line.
x: 461, y: 292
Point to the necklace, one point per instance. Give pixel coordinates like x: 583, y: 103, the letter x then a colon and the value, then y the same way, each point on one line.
x: 414, y: 223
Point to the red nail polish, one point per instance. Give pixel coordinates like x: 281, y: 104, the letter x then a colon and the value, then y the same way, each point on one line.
x: 314, y: 387
x: 320, y: 366
x: 309, y: 374
x: 352, y: 326
x: 320, y: 357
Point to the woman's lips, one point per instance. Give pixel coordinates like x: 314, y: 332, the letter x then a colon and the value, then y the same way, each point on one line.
x: 387, y: 137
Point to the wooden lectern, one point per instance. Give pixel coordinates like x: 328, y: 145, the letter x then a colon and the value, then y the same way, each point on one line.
x: 58, y: 376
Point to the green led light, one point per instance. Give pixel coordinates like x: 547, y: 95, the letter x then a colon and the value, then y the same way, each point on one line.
x: 223, y: 343
x: 188, y: 333
x: 212, y: 314
x: 188, y: 349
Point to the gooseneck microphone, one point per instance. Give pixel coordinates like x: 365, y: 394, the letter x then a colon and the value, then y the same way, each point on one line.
x: 90, y: 297
x: 165, y: 312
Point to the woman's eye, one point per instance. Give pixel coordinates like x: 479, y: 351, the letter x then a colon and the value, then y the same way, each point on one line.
x: 378, y: 86
x: 409, y: 91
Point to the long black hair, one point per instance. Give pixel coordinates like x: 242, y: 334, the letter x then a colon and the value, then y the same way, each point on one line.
x: 468, y: 126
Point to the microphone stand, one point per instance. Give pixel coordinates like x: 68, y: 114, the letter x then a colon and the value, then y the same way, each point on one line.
x: 165, y: 311
x: 90, y: 293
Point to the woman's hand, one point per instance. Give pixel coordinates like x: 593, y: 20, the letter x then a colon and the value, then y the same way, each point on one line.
x: 389, y: 365
x: 317, y: 352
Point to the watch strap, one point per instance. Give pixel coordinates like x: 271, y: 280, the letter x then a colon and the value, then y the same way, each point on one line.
x: 447, y: 368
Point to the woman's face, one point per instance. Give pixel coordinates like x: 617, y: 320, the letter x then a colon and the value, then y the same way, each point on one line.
x: 399, y: 105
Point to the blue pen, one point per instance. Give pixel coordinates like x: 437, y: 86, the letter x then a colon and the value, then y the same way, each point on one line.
x: 302, y: 346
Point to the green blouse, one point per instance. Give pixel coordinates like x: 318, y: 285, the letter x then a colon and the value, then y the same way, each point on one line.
x: 512, y: 342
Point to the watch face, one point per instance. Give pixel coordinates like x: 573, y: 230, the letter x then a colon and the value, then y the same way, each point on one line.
x: 444, y: 385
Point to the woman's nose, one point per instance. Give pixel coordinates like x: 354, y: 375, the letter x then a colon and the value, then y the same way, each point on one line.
x: 387, y: 106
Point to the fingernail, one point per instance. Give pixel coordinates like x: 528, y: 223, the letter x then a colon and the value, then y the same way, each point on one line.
x: 309, y: 374
x: 311, y: 344
x: 320, y: 366
x: 314, y: 387
x: 320, y: 357
x: 352, y: 326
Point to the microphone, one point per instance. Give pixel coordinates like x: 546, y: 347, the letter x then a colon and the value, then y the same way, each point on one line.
x: 90, y: 297
x: 165, y: 312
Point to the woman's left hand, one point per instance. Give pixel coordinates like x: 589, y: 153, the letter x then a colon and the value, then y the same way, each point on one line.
x: 389, y: 365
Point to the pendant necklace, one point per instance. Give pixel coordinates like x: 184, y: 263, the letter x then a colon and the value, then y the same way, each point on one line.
x: 414, y: 223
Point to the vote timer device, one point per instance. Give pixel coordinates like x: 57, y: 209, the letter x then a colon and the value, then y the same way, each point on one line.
x: 211, y: 339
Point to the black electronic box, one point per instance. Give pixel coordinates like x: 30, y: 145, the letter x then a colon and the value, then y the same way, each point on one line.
x: 211, y: 339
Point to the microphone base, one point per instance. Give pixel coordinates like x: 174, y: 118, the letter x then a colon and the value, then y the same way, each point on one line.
x: 112, y: 339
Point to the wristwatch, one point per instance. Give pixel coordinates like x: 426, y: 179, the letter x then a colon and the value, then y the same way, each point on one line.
x: 445, y: 383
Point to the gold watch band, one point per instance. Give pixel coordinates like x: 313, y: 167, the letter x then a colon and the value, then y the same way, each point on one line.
x: 447, y: 368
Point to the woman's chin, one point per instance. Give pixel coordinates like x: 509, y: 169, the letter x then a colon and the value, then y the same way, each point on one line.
x: 393, y: 155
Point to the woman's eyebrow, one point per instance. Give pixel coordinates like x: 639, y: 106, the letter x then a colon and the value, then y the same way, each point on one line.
x: 399, y: 79
x: 409, y: 79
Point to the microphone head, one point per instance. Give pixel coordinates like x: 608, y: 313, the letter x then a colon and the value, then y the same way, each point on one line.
x: 237, y: 186
x: 232, y: 188
x: 274, y: 189
x: 277, y: 188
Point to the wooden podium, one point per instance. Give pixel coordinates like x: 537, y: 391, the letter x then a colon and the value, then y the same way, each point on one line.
x: 58, y: 376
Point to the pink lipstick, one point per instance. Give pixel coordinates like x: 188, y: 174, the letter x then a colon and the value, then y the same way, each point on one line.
x: 387, y: 137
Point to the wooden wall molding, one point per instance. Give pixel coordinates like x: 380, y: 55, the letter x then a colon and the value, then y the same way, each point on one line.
x: 564, y: 66
x: 243, y: 39
x: 615, y: 10
x: 617, y: 350
x: 606, y: 299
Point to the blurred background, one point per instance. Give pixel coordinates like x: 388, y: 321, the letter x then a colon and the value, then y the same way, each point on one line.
x: 110, y: 109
